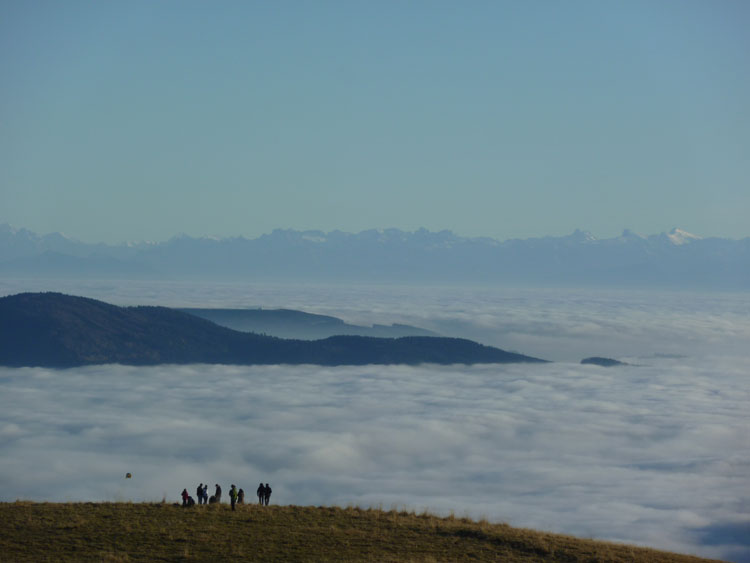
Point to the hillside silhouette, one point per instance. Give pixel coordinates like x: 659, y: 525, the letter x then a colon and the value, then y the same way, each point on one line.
x: 289, y: 323
x: 57, y: 330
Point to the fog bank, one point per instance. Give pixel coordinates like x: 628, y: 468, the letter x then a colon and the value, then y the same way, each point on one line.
x: 656, y: 455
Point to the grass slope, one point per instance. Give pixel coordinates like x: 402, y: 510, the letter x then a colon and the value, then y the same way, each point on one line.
x: 163, y: 532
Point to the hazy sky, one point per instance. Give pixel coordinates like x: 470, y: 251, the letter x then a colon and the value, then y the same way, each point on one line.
x: 140, y: 120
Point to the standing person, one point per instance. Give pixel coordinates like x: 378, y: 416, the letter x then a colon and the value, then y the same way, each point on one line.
x: 205, y: 493
x: 185, y: 496
x: 199, y: 493
x: 261, y: 492
x: 217, y: 494
x: 267, y: 493
x: 241, y: 497
x: 233, y: 496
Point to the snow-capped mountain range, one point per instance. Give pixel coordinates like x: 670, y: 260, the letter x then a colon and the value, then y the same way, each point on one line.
x: 675, y: 259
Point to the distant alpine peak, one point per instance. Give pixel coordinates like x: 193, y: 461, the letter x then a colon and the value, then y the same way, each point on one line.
x: 679, y: 237
x: 628, y: 234
x: 7, y: 228
x: 314, y: 236
x: 582, y: 236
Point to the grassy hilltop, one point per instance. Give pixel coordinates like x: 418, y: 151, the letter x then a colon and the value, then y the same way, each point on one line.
x: 163, y: 532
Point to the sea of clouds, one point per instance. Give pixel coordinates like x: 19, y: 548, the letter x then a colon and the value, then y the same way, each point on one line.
x: 656, y: 453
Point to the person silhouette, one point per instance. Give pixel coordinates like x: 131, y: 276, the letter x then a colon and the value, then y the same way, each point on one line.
x: 233, y: 495
x: 267, y: 493
x: 261, y: 492
x: 217, y: 494
x: 199, y: 493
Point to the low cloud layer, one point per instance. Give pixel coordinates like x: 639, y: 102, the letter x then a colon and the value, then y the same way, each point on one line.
x: 655, y: 454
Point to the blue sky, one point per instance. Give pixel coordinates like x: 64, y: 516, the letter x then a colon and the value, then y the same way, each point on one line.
x: 140, y: 120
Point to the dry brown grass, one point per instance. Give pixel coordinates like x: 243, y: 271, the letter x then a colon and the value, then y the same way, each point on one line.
x: 162, y: 532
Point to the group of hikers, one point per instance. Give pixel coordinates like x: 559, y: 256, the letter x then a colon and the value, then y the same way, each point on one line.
x: 235, y: 496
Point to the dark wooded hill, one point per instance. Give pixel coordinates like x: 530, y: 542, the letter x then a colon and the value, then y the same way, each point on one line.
x: 288, y: 323
x: 56, y: 330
